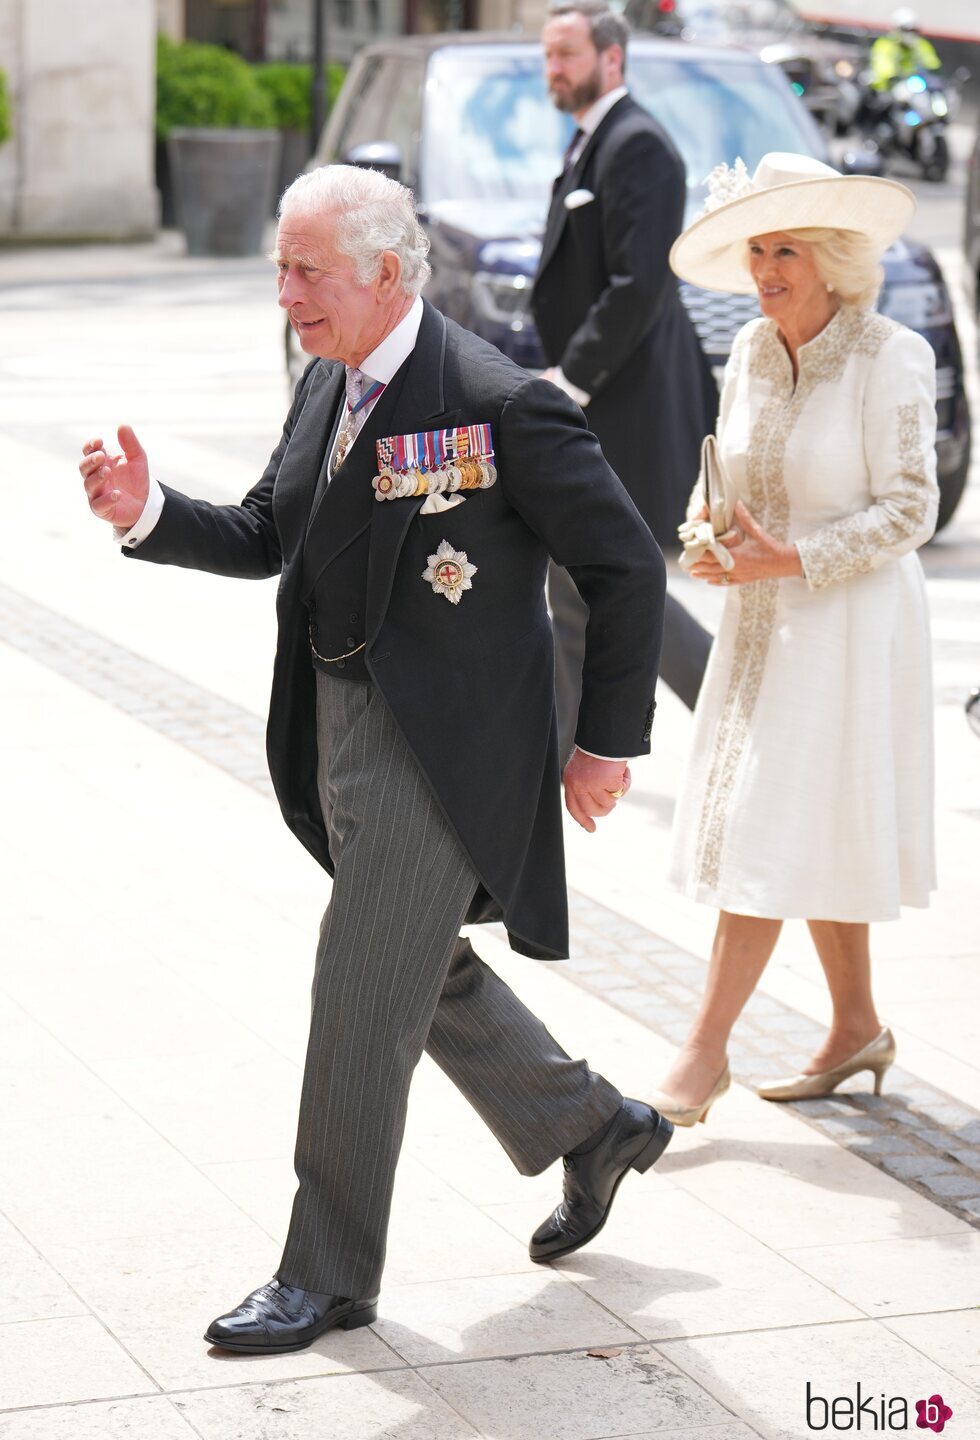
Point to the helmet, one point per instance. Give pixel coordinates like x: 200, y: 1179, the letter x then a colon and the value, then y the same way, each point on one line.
x: 905, y: 19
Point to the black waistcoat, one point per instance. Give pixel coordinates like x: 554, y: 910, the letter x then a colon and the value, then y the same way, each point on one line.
x: 335, y: 556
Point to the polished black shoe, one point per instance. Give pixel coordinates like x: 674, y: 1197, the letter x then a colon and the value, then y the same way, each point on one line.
x: 277, y: 1318
x: 635, y: 1139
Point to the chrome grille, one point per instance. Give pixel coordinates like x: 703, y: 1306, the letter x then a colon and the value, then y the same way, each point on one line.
x: 717, y: 318
x: 945, y: 382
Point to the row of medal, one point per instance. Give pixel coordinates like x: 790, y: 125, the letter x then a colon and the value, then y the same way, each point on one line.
x: 432, y: 462
x: 392, y: 484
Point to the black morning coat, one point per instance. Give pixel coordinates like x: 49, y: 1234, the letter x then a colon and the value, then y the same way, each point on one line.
x: 608, y: 311
x: 470, y: 685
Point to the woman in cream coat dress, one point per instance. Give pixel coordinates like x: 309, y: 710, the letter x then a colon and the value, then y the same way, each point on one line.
x: 809, y: 787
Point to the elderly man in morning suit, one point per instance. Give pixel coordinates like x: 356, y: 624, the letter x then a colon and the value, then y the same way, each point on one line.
x: 421, y: 482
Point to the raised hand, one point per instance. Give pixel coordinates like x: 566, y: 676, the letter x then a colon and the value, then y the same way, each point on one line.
x: 593, y: 786
x: 116, y: 485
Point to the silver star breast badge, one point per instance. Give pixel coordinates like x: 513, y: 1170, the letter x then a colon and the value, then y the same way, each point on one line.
x: 449, y: 572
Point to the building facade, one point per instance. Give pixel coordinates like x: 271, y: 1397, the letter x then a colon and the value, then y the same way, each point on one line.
x: 79, y: 164
x: 283, y: 29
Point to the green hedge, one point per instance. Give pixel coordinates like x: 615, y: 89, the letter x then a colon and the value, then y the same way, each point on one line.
x: 6, y: 129
x: 207, y: 85
x: 290, y: 90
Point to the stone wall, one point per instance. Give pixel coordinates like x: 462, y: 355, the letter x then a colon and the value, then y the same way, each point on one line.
x: 81, y: 77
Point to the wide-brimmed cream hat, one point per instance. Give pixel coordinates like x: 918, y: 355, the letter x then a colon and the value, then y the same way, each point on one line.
x: 787, y: 192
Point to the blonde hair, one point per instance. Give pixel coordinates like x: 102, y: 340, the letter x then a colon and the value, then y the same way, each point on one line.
x: 846, y: 260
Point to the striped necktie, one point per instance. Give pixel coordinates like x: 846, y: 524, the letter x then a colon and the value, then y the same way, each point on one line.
x: 570, y: 150
x: 361, y: 390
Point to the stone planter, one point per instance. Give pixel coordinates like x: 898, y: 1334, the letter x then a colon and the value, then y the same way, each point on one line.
x: 223, y: 184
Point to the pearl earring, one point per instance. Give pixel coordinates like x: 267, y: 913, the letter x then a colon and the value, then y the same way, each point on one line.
x: 830, y: 288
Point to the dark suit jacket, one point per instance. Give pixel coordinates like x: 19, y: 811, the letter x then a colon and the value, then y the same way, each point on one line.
x: 609, y: 313
x: 470, y: 685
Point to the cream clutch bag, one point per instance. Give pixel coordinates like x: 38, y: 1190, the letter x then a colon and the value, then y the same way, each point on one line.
x: 701, y: 536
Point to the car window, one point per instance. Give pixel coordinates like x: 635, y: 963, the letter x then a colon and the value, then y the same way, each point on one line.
x: 490, y: 130
x: 364, y: 117
x: 714, y: 111
x: 403, y: 83
x: 491, y: 133
x: 385, y: 105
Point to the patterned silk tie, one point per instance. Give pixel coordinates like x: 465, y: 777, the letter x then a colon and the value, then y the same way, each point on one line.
x: 570, y: 149
x: 353, y: 420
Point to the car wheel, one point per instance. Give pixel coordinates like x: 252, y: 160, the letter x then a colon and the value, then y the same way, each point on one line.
x: 951, y: 488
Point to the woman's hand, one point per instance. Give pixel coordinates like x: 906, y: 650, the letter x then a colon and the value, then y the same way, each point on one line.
x: 757, y: 555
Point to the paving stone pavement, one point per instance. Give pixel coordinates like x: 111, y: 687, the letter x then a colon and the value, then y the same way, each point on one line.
x: 915, y: 1132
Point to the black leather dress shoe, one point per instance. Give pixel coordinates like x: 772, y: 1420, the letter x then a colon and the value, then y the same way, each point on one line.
x: 636, y: 1138
x: 277, y: 1318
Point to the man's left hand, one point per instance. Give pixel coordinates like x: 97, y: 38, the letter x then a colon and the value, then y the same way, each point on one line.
x: 593, y: 786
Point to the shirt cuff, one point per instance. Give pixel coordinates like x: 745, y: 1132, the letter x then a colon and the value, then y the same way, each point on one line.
x: 614, y: 759
x: 129, y: 539
x: 581, y: 397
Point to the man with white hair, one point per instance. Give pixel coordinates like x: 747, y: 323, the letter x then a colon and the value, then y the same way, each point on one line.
x: 420, y: 484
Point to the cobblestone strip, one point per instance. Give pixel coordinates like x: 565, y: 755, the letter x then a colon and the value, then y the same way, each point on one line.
x: 213, y: 728
x: 916, y: 1133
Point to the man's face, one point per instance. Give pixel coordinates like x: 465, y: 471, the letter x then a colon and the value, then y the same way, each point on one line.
x: 575, y: 71
x: 333, y: 316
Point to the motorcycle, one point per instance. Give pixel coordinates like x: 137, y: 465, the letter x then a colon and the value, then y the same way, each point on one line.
x: 911, y: 117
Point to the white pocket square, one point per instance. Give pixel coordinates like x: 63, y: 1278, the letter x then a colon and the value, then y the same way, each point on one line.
x: 577, y: 198
x: 434, y: 503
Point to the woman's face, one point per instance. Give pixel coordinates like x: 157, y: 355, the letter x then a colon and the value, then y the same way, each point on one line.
x: 790, y: 290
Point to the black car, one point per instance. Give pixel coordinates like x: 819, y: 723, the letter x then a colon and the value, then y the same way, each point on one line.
x: 465, y: 120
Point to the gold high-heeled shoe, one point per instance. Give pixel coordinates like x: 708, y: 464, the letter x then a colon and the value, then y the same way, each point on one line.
x: 690, y: 1114
x: 875, y: 1057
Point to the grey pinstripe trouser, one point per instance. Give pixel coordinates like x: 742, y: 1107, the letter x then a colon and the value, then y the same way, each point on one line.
x: 393, y: 977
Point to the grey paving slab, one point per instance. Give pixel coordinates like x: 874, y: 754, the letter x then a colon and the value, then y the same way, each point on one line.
x: 111, y: 1420
x: 575, y: 1396
x: 915, y: 1167
x: 951, y: 1187
x: 49, y: 1362
x: 32, y: 1289
x: 398, y: 1406
x: 732, y: 1430
x: 765, y: 1384
x: 888, y: 1277
x: 499, y: 1315
x: 951, y: 1339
